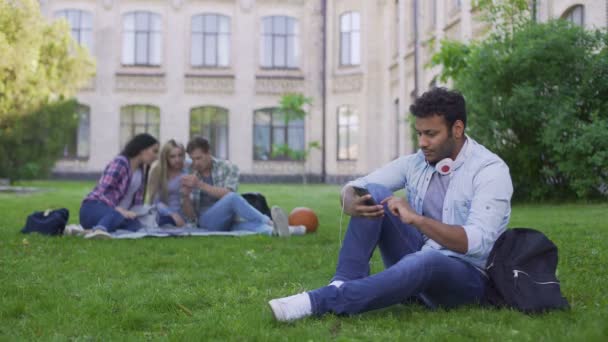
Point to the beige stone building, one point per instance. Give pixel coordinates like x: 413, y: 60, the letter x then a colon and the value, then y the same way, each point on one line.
x: 218, y: 68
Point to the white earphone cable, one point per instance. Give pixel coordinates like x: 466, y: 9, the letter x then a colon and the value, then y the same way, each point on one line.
x: 341, y: 217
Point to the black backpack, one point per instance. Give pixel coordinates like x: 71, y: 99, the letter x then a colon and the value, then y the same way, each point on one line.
x: 50, y: 222
x: 258, y: 201
x: 521, y: 267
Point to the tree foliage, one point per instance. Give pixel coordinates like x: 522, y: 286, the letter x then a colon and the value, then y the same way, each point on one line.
x: 30, y: 144
x: 40, y: 64
x: 539, y: 98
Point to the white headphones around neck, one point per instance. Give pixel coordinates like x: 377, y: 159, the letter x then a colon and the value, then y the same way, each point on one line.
x: 444, y: 166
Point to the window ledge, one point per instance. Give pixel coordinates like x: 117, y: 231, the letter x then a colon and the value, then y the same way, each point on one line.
x: 279, y: 73
x: 344, y: 70
x: 128, y: 70
x: 210, y: 71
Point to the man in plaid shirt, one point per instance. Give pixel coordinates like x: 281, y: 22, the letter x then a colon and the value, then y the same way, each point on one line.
x: 209, y: 198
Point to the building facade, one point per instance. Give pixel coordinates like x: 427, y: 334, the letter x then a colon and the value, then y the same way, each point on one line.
x: 177, y: 68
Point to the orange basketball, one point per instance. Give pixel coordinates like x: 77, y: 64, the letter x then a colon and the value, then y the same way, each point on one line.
x: 306, y: 217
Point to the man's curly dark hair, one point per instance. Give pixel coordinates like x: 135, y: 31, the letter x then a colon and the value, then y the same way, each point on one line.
x: 441, y: 101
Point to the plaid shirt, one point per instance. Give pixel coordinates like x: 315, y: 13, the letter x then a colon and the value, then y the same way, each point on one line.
x: 114, y: 183
x: 224, y: 175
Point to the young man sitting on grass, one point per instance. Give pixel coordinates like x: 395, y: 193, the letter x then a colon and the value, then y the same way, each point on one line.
x: 434, y: 244
x: 209, y: 197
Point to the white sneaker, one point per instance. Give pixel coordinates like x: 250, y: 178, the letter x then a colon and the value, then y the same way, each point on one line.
x: 74, y: 230
x: 291, y: 308
x: 281, y: 223
x: 297, y: 230
x: 98, y: 234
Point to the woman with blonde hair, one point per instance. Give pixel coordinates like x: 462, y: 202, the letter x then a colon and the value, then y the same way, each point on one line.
x: 165, y: 183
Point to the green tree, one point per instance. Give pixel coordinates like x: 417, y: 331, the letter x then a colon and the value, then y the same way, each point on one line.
x: 40, y: 65
x: 30, y: 144
x: 538, y: 97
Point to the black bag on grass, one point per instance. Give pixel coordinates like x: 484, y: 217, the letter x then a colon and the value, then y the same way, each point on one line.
x: 521, y: 267
x: 258, y: 201
x: 50, y: 222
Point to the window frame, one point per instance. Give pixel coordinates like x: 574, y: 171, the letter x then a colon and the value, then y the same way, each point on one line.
x: 72, y: 150
x: 570, y: 12
x: 277, y: 36
x: 77, y: 32
x: 213, y: 126
x: 349, y: 34
x: 218, y: 34
x: 150, y: 33
x: 274, y: 125
x: 149, y: 110
x: 348, y: 126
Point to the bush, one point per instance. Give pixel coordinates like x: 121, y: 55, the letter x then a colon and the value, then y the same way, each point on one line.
x: 30, y: 144
x: 539, y: 99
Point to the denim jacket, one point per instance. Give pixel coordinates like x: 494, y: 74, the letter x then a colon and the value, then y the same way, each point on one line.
x: 478, y: 197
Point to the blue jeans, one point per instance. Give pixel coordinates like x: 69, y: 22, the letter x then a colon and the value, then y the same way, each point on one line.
x: 96, y: 214
x: 233, y: 212
x: 411, y: 273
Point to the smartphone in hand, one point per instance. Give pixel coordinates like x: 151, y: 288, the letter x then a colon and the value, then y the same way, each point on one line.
x: 362, y: 192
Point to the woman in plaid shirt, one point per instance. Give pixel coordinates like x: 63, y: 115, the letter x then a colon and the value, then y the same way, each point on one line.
x: 121, y: 187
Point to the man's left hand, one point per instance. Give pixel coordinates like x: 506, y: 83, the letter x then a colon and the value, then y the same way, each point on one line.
x: 399, y: 207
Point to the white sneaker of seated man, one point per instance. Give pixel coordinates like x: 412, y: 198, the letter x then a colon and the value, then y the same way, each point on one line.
x: 281, y: 223
x: 291, y: 308
x: 294, y: 307
x: 98, y: 234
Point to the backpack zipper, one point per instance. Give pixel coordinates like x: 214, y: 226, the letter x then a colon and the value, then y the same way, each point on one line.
x: 517, y: 272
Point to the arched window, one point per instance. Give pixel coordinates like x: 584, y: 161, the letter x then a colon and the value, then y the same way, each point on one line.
x: 350, y: 39
x: 141, y: 39
x: 575, y: 14
x: 81, y: 26
x: 211, y: 123
x: 279, y: 42
x: 137, y: 119
x: 210, y: 40
x: 273, y: 137
x: 78, y: 145
x: 348, y: 133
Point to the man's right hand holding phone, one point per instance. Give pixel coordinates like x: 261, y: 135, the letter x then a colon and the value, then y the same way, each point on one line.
x: 359, y: 202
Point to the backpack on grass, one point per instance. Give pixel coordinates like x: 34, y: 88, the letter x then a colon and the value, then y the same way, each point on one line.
x: 258, y: 201
x: 50, y: 222
x: 521, y: 267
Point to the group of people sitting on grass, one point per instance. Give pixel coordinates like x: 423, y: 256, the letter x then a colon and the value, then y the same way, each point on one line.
x: 201, y: 194
x: 434, y: 243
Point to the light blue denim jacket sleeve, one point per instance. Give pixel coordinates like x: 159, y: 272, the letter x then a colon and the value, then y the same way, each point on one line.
x: 478, y: 197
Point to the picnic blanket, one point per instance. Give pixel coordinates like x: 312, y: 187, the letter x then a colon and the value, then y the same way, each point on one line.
x: 172, y: 232
x: 146, y: 215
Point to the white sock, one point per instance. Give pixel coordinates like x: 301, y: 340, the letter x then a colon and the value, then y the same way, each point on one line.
x: 297, y: 230
x: 336, y: 283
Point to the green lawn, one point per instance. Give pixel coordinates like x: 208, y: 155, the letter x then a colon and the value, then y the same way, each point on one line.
x: 217, y: 287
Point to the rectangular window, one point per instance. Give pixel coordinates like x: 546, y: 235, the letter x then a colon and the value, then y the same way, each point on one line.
x: 348, y: 133
x: 78, y: 146
x: 142, y: 39
x: 137, y: 119
x: 279, y: 43
x: 210, y: 40
x: 275, y: 139
x: 350, y: 39
x: 212, y: 123
x: 81, y: 26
